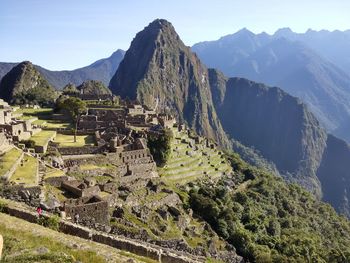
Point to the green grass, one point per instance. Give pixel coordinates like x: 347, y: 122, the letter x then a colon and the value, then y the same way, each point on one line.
x: 50, y: 172
x: 68, y: 140
x: 90, y: 166
x: 8, y: 159
x: 21, y: 246
x: 42, y: 138
x: 26, y: 173
x: 56, y: 124
x: 35, y: 112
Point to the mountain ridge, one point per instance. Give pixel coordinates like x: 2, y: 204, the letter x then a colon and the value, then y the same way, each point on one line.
x: 102, y: 70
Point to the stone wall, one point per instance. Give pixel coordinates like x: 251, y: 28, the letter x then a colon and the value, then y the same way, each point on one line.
x: 56, y: 181
x: 154, y: 252
x: 90, y: 212
x: 81, y: 150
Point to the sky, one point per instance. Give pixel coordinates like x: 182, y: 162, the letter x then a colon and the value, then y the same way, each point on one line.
x: 68, y: 34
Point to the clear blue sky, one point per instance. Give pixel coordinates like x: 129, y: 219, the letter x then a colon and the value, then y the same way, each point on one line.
x: 67, y: 34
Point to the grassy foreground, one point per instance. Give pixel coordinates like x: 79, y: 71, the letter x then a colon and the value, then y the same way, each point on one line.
x: 27, y: 242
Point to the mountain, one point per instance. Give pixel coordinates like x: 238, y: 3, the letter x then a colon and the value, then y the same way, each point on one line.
x: 278, y: 125
x: 333, y: 45
x: 101, y: 70
x: 334, y: 174
x: 161, y: 72
x: 93, y: 87
x: 291, y: 65
x: 25, y: 84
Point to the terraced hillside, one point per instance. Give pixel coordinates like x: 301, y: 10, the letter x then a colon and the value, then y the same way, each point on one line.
x: 190, y: 160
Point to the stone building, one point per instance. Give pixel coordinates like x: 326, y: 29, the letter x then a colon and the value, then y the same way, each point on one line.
x: 79, y: 188
x: 87, y: 210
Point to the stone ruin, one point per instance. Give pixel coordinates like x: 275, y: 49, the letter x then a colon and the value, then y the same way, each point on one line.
x: 13, y: 127
x: 89, y: 210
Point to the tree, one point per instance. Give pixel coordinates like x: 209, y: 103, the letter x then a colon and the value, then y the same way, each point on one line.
x: 160, y: 146
x: 75, y: 108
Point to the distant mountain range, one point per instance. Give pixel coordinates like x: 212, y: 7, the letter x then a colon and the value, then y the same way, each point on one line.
x: 101, y: 70
x: 314, y: 66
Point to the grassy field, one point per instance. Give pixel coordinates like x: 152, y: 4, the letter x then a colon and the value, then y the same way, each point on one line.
x: 35, y: 112
x: 28, y: 243
x: 42, y: 137
x: 8, y: 159
x: 51, y: 172
x: 68, y: 140
x: 26, y: 173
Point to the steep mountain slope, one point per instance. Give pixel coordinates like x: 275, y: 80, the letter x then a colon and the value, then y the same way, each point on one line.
x: 304, y: 74
x: 290, y: 65
x: 160, y: 71
x: 24, y: 84
x: 5, y: 68
x: 278, y: 125
x: 334, y: 174
x: 101, y: 70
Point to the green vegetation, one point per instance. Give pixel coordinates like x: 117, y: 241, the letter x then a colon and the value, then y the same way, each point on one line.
x: 24, y: 84
x: 53, y: 172
x: 22, y: 246
x: 68, y: 140
x: 43, y: 137
x: 52, y: 222
x: 26, y: 172
x: 94, y: 87
x: 268, y: 220
x: 70, y: 90
x: 8, y: 159
x: 75, y: 107
x: 160, y: 146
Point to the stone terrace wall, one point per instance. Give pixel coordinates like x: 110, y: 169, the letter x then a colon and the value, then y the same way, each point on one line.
x: 139, y: 248
x: 81, y: 150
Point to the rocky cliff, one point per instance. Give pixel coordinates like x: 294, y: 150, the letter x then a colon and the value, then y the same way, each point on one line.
x: 160, y: 71
x: 25, y: 84
x: 334, y: 174
x: 278, y: 125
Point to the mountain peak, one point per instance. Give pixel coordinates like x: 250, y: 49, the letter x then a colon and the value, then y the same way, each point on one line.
x: 285, y: 31
x: 161, y: 72
x: 25, y: 84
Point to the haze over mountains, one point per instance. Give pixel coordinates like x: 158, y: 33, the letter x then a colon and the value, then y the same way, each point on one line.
x: 160, y: 71
x: 313, y: 66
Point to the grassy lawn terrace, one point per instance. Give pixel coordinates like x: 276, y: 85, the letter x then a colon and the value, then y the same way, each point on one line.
x: 52, y: 172
x: 8, y: 159
x: 68, y: 140
x: 27, y: 173
x: 43, y: 137
x: 40, y: 113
